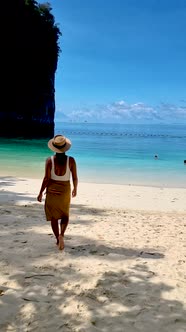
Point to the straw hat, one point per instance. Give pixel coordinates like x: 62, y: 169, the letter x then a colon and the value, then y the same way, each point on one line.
x: 59, y: 144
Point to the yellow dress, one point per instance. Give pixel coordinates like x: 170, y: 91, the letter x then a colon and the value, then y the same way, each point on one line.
x: 57, y: 202
x: 58, y: 194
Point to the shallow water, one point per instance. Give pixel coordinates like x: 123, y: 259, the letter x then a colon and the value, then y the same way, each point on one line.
x: 107, y: 153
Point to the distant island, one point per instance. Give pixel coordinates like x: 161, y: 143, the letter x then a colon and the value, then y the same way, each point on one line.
x: 30, y: 51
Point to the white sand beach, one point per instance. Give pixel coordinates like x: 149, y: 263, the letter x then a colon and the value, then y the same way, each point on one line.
x: 123, y: 267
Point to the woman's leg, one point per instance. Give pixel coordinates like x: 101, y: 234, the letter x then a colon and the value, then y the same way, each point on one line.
x: 55, y: 228
x: 63, y: 224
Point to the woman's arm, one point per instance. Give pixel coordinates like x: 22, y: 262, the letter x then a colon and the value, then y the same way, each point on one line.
x: 45, y: 179
x: 73, y: 169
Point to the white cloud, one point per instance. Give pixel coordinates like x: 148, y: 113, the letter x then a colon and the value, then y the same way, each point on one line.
x: 121, y: 111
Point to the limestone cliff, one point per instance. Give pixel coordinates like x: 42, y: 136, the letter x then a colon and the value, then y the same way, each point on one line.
x: 29, y: 54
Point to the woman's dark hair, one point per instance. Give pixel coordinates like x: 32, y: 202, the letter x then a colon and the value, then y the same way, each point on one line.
x: 61, y: 158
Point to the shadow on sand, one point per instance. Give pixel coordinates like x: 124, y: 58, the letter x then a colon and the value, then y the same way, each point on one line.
x: 47, y: 292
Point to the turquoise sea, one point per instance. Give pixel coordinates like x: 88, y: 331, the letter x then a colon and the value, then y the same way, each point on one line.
x: 107, y: 153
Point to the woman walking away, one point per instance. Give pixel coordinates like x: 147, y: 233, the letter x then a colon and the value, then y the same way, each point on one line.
x: 58, y: 171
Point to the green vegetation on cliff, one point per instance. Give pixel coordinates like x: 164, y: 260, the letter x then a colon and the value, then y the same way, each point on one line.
x: 30, y: 51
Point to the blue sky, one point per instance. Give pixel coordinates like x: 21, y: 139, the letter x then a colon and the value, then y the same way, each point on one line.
x: 121, y: 61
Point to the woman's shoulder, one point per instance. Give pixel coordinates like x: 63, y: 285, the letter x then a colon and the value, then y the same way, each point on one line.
x: 49, y: 160
x: 72, y: 161
x: 71, y: 158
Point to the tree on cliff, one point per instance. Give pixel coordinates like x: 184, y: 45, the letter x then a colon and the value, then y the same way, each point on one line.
x: 30, y: 50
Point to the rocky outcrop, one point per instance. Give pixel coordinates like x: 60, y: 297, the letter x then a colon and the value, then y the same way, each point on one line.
x: 28, y: 64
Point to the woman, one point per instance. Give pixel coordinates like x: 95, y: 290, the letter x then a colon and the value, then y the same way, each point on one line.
x: 58, y: 170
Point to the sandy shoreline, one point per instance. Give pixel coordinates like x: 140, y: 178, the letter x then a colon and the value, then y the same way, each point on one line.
x: 123, y: 267
x: 127, y: 197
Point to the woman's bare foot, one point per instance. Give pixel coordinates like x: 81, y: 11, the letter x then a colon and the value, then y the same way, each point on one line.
x: 61, y: 242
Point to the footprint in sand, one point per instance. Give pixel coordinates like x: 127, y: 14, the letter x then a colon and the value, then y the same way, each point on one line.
x: 1, y: 292
x: 6, y: 211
